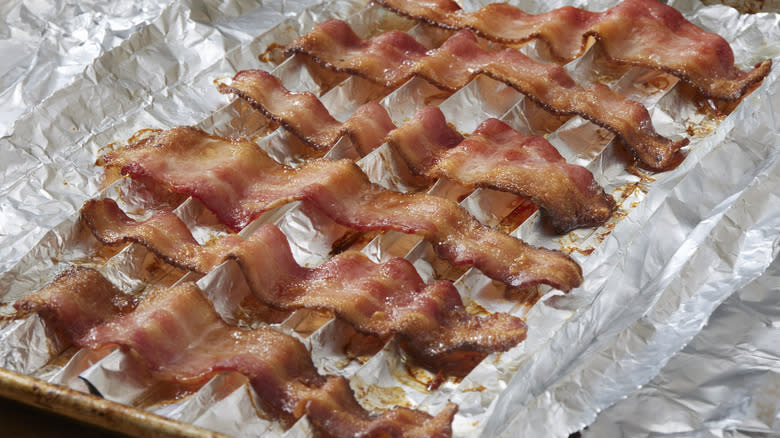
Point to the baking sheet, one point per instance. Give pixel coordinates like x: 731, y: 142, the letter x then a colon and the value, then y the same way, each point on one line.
x: 664, y: 279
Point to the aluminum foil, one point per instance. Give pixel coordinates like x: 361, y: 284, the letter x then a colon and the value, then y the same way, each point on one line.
x: 682, y: 242
x: 45, y: 44
x: 725, y: 382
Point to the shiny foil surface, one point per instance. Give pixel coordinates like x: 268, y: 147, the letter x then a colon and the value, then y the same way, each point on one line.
x: 682, y: 242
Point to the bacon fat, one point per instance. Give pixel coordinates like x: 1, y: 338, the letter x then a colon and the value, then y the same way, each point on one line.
x: 494, y: 156
x: 394, y: 57
x: 378, y: 299
x: 238, y: 182
x: 179, y: 337
x: 646, y: 33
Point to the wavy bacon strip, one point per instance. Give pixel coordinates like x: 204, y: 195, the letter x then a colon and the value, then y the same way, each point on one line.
x: 498, y: 157
x: 646, y: 33
x: 378, y: 299
x: 77, y: 300
x: 180, y: 338
x: 366, y: 127
x: 394, y: 57
x: 238, y: 181
x: 495, y: 155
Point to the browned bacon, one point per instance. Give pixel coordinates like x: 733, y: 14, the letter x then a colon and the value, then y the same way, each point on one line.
x: 179, y: 337
x: 238, y: 181
x: 497, y: 156
x: 647, y: 33
x: 378, y: 299
x: 367, y: 127
x: 494, y: 156
x: 334, y: 45
x: 96, y: 302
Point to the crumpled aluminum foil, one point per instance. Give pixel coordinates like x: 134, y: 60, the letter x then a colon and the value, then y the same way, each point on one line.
x: 725, y: 382
x: 682, y: 243
x: 46, y: 43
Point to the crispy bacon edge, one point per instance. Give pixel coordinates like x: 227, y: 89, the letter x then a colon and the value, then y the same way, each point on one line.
x: 394, y: 57
x: 377, y: 299
x: 179, y: 337
x: 237, y: 181
x: 657, y: 33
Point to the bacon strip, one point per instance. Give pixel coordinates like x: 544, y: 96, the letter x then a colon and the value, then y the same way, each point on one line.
x: 393, y: 58
x: 96, y: 302
x: 646, y: 33
x: 381, y: 300
x: 180, y: 338
x: 498, y: 157
x: 238, y: 181
x: 366, y: 128
x: 495, y: 155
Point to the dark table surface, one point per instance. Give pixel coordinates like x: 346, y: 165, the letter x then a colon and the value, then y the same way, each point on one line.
x: 22, y: 421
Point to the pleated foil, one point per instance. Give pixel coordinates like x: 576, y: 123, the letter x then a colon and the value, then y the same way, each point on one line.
x: 682, y: 242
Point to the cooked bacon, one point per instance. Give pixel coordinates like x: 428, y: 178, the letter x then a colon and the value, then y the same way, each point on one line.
x: 179, y: 337
x: 367, y: 127
x: 494, y: 156
x: 497, y: 156
x: 96, y: 302
x: 387, y: 59
x: 451, y: 66
x: 646, y: 33
x: 238, y: 181
x: 378, y: 299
